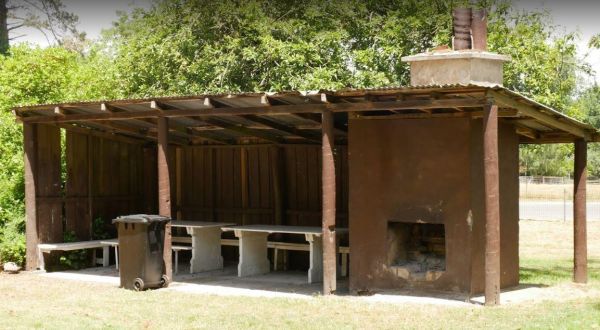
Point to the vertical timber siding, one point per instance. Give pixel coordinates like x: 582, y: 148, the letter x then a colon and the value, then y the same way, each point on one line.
x: 236, y: 184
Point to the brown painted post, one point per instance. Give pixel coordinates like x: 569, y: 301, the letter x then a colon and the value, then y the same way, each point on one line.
x: 579, y: 213
x: 492, y: 205
x: 164, y: 187
x: 30, y: 143
x: 328, y: 222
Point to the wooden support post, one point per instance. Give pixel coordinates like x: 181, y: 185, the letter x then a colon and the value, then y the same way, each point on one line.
x: 164, y: 188
x: 30, y: 142
x: 579, y: 212
x: 328, y: 222
x: 492, y: 205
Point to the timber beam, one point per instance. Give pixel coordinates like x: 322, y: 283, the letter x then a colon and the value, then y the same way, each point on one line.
x: 215, y: 121
x: 534, y: 113
x: 260, y: 110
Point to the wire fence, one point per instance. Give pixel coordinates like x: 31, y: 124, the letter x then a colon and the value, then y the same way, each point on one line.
x: 551, y: 198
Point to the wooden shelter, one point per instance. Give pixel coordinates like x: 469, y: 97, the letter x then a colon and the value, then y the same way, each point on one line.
x: 329, y: 158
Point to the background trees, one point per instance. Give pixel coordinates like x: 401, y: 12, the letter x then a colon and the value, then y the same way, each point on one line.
x: 47, y: 16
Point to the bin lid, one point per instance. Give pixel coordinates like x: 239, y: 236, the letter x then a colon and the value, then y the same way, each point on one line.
x: 141, y: 218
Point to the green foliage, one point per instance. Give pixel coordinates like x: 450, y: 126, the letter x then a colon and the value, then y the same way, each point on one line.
x: 546, y: 159
x: 99, y: 229
x: 12, y: 242
x: 595, y: 41
x: 76, y: 259
x: 544, y: 63
x: 195, y: 46
x: 34, y: 75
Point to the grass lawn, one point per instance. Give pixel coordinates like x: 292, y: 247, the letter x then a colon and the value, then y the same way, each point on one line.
x: 30, y: 301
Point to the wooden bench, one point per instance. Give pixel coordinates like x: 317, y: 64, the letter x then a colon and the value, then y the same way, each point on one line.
x: 176, y: 249
x: 114, y: 243
x: 72, y: 246
x: 344, y: 251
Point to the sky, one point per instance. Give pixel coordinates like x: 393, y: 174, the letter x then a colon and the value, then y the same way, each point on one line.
x: 581, y: 15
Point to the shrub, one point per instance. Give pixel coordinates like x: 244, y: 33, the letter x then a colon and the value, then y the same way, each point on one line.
x: 12, y: 242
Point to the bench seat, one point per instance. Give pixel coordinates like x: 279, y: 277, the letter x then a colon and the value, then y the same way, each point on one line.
x: 72, y: 246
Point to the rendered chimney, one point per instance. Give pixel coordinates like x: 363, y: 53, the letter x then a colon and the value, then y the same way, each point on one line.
x: 469, y: 63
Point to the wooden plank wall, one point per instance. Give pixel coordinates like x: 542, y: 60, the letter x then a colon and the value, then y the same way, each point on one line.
x: 105, y: 179
x: 48, y: 185
x: 237, y: 184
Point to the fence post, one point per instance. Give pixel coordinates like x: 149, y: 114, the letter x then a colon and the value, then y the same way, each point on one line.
x: 564, y: 204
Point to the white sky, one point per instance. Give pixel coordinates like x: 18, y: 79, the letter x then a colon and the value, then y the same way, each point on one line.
x: 582, y: 15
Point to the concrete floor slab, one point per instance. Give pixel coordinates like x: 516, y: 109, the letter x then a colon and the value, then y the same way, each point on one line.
x: 293, y: 284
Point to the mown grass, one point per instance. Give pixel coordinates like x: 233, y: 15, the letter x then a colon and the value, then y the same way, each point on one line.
x: 30, y: 301
x: 34, y: 302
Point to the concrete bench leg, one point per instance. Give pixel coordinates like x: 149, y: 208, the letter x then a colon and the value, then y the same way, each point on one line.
x: 117, y: 257
x: 206, y: 249
x: 41, y: 263
x: 315, y: 272
x: 344, y: 270
x: 176, y: 262
x: 275, y: 258
x: 105, y: 256
x: 253, y: 253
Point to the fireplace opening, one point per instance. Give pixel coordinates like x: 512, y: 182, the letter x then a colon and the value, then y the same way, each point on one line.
x: 417, y: 251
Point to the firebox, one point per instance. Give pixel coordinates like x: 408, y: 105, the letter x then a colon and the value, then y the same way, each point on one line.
x: 416, y: 251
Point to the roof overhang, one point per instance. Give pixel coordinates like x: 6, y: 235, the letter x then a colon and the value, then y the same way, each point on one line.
x: 294, y: 117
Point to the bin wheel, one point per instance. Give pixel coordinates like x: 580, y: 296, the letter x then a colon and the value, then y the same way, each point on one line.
x: 138, y: 284
x: 164, y: 281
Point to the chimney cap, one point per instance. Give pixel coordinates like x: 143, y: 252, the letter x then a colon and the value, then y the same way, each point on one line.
x: 451, y: 55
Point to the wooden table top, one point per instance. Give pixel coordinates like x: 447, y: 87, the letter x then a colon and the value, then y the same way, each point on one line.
x: 282, y: 229
x: 199, y: 224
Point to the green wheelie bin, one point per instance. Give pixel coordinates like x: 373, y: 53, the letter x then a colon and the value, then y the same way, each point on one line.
x: 141, y: 245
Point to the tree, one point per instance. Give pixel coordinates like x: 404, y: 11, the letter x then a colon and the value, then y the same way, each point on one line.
x: 30, y: 76
x: 595, y: 41
x: 194, y: 46
x: 50, y: 17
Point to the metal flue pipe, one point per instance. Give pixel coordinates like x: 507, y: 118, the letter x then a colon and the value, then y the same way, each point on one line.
x: 461, y: 25
x: 479, y: 29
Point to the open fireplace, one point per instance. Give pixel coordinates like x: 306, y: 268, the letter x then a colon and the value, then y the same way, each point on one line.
x: 417, y: 251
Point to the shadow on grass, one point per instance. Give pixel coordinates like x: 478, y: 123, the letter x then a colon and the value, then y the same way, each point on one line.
x: 550, y: 272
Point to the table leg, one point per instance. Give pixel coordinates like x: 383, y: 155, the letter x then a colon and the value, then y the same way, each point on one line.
x: 315, y: 272
x: 253, y: 253
x: 206, y: 249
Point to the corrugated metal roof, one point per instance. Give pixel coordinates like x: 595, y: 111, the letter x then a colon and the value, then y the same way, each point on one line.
x: 350, y: 97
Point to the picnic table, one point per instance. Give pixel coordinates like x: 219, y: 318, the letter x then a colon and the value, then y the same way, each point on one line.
x: 206, y: 244
x: 254, y: 244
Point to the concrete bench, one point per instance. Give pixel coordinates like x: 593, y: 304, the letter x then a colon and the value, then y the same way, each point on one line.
x: 344, y: 251
x: 72, y: 246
